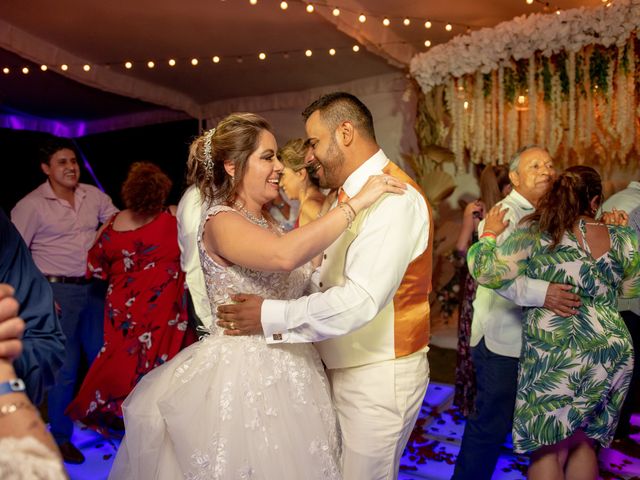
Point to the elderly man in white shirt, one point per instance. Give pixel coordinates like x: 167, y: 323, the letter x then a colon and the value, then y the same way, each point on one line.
x: 496, y: 329
x: 371, y: 316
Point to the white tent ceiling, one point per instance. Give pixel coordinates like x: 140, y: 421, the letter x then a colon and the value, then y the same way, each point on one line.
x: 105, y: 35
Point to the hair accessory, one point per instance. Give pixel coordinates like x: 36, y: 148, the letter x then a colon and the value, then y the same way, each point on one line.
x: 208, y: 161
x: 14, y: 385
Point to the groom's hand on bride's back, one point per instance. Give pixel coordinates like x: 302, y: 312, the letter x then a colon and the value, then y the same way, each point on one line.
x: 242, y: 317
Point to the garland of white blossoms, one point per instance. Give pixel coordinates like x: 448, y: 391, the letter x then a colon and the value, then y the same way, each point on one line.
x: 564, y: 81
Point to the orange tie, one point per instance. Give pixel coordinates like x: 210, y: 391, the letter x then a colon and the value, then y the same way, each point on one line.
x: 342, y: 196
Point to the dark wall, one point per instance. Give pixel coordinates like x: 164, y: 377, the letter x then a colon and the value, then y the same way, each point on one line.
x: 109, y: 154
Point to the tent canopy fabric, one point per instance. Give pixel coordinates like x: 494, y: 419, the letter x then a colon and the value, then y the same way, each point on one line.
x: 105, y: 35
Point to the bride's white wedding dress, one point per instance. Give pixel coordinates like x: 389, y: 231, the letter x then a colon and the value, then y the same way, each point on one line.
x: 233, y: 407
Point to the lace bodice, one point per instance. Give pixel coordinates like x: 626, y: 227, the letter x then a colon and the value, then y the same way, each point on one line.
x: 222, y: 281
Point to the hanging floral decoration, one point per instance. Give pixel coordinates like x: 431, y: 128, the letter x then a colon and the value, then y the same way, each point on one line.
x: 568, y: 82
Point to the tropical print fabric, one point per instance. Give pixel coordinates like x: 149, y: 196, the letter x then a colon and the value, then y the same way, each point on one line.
x: 574, y: 372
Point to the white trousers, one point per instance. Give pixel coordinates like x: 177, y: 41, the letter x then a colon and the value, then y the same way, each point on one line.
x: 377, y: 406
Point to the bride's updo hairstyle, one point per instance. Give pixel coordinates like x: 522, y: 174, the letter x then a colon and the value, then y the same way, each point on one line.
x: 235, y: 138
x: 569, y: 197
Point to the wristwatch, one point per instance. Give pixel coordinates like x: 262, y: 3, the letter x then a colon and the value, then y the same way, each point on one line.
x: 15, y: 385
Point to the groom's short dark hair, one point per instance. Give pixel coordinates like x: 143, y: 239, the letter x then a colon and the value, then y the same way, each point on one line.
x: 338, y: 107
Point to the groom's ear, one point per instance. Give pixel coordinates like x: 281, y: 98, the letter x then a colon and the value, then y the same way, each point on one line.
x: 345, y: 133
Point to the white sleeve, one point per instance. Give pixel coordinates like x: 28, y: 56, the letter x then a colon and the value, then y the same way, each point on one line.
x: 523, y: 291
x: 394, y: 234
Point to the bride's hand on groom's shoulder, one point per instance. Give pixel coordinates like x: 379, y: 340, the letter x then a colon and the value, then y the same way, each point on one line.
x: 242, y: 317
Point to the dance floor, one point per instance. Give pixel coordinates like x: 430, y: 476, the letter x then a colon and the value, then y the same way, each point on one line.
x: 431, y: 452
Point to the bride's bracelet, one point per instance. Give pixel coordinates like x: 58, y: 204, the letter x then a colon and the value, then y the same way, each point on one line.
x: 348, y: 211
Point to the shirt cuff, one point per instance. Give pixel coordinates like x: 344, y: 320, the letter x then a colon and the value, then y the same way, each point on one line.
x: 272, y: 317
x: 535, y: 293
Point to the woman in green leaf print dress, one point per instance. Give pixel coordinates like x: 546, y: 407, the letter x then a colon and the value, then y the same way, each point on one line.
x: 574, y: 371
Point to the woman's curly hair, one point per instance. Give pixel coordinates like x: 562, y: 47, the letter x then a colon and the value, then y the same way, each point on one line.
x: 146, y: 188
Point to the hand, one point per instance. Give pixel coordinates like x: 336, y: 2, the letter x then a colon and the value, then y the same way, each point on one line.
x: 11, y: 326
x: 615, y: 217
x: 561, y: 301
x: 376, y: 186
x: 242, y: 317
x: 495, y: 222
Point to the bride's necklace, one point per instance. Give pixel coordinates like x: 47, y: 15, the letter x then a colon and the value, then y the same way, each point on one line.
x: 262, y: 222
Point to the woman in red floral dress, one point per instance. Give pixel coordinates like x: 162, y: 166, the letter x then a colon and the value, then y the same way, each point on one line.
x: 145, y: 320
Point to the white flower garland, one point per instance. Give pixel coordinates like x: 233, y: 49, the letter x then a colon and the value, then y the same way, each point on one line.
x: 520, y: 38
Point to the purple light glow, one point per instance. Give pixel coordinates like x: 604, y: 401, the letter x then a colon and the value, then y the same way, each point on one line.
x: 59, y: 128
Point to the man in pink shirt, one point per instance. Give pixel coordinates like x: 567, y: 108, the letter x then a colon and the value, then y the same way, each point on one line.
x: 58, y: 221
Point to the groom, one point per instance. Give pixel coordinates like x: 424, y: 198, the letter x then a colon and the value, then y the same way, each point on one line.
x: 371, y: 317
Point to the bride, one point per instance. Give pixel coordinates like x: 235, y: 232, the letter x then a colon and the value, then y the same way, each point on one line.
x: 233, y: 407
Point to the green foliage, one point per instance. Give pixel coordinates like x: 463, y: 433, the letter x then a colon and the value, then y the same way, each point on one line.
x: 560, y: 63
x: 487, y: 84
x: 509, y: 85
x: 579, y: 75
x: 546, y: 79
x: 599, y: 69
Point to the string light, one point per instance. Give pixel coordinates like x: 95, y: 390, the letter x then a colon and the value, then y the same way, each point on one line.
x: 336, y: 12
x: 215, y: 59
x: 128, y: 65
x: 64, y: 67
x: 25, y: 70
x: 356, y: 48
x: 194, y: 61
x: 448, y: 27
x: 529, y: 2
x: 362, y: 18
x: 262, y: 56
x: 284, y: 5
x: 151, y: 64
x: 427, y: 43
x: 86, y: 68
x: 406, y: 22
x: 332, y: 51
x: 427, y: 24
x: 6, y: 71
x: 253, y: 2
x: 386, y: 22
x: 308, y: 53
x: 44, y: 68
x: 310, y: 8
x: 172, y: 62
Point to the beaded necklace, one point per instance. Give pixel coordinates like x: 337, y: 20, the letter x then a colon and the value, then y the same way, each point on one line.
x: 262, y: 222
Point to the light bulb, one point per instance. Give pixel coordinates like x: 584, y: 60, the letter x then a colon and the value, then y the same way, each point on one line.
x: 6, y: 71
x: 356, y: 48
x: 332, y: 51
x: 284, y: 5
x: 25, y: 70
x: 172, y: 62
x: 310, y: 8
x: 128, y: 65
x: 427, y: 24
x: 386, y: 22
x: 336, y: 12
x: 44, y: 68
x: 64, y: 67
x: 262, y: 56
x: 151, y: 64
x: 362, y: 18
x: 448, y: 27
x: 308, y: 53
x: 215, y: 59
x: 253, y: 2
x: 427, y: 43
x: 194, y: 61
x: 86, y: 68
x: 406, y: 22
